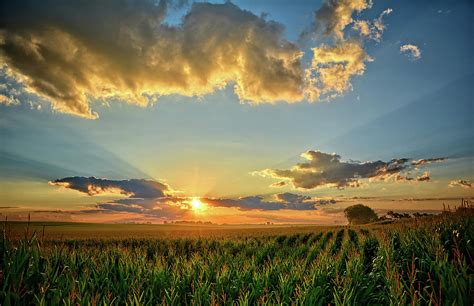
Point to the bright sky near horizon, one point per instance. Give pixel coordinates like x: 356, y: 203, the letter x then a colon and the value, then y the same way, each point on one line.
x: 234, y: 112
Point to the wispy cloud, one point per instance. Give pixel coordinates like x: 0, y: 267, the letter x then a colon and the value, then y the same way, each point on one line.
x: 412, y: 51
x: 372, y: 29
x: 8, y: 100
x: 460, y: 183
x: 420, y: 162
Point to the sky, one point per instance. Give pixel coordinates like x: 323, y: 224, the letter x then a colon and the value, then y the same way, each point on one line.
x: 234, y: 112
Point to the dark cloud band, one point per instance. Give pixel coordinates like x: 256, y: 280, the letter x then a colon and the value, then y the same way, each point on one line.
x: 135, y: 188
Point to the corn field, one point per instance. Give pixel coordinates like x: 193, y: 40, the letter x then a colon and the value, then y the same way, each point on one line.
x: 429, y: 262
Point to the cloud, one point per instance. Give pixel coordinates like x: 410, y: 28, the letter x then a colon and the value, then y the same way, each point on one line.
x: 400, y: 177
x: 135, y: 188
x: 155, y: 200
x: 291, y: 197
x: 324, y: 169
x: 280, y: 201
x: 334, y: 65
x: 148, y: 198
x: 424, y: 177
x: 420, y: 162
x: 372, y: 29
x: 334, y: 16
x: 71, y: 53
x: 68, y: 52
x: 245, y: 203
x: 460, y: 183
x: 168, y: 208
x: 9, y: 91
x: 8, y: 100
x: 296, y: 199
x: 278, y: 184
x: 120, y: 207
x: 412, y: 51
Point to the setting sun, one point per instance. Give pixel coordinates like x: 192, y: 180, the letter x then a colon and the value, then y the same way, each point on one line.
x: 196, y: 204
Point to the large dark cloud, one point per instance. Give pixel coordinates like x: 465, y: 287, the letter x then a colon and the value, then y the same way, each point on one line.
x: 145, y: 197
x: 324, y: 169
x: 280, y: 201
x: 291, y: 197
x: 69, y: 52
x: 135, y: 188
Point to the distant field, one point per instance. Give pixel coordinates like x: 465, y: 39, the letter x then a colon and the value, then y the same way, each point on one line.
x: 422, y: 261
x: 65, y: 230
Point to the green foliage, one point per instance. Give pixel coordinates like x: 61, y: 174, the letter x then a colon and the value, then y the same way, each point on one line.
x: 369, y: 251
x: 336, y: 246
x: 430, y: 263
x: 353, y: 237
x: 360, y: 214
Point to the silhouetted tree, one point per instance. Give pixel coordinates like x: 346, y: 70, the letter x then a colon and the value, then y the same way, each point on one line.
x: 360, y: 214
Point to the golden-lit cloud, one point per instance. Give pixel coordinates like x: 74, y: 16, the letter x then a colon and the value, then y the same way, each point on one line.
x: 363, y: 26
x: 372, y: 29
x: 68, y: 55
x: 336, y: 65
x: 8, y: 100
x: 334, y: 16
x: 327, y: 169
x: 8, y: 95
x: 72, y: 53
x: 411, y: 51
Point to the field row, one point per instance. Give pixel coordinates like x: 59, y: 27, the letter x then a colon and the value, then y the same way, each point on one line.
x: 428, y: 264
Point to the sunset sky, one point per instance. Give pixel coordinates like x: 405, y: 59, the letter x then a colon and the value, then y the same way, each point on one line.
x: 234, y: 112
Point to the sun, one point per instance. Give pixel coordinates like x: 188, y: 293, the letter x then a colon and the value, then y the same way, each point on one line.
x: 196, y: 204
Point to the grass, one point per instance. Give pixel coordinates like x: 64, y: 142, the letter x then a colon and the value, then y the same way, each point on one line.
x: 410, y: 262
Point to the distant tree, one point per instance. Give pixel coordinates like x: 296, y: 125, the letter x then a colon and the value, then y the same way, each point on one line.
x: 360, y: 214
x: 395, y: 215
x: 421, y: 214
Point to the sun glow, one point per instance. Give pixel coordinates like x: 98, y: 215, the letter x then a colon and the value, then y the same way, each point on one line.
x: 197, y: 205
